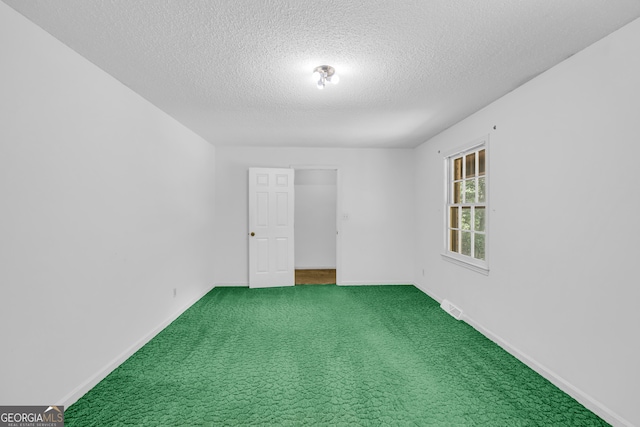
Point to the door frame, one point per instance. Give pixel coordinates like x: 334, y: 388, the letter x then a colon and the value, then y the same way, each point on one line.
x: 338, y: 211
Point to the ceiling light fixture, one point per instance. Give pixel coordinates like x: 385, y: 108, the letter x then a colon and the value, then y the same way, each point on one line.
x: 325, y: 74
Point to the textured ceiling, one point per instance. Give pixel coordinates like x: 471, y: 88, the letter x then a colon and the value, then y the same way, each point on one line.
x: 238, y: 72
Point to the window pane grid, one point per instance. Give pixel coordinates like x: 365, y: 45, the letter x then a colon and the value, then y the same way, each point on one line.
x: 467, y: 204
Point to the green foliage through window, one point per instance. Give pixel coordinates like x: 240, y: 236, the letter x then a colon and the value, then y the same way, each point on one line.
x: 466, y: 222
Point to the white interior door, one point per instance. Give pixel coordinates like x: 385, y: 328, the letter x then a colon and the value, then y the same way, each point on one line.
x: 271, y: 238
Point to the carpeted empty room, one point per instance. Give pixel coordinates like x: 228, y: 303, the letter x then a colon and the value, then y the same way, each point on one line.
x: 298, y: 212
x: 323, y: 355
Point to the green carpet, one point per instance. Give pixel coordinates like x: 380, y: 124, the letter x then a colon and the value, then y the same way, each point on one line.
x: 323, y: 355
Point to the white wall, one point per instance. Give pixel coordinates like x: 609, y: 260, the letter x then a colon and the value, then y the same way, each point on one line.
x: 107, y: 205
x: 375, y: 189
x: 562, y: 291
x: 315, y: 218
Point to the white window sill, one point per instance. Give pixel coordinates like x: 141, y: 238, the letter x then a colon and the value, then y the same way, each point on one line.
x: 465, y: 264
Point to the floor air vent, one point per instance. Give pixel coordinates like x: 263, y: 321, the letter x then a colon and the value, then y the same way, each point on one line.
x: 454, y: 311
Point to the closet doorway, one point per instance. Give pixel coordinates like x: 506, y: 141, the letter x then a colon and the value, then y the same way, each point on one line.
x: 316, y: 226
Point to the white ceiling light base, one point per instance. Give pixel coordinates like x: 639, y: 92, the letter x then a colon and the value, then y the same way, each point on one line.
x: 324, y: 74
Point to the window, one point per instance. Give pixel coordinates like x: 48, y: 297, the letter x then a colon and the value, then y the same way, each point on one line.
x: 466, y: 207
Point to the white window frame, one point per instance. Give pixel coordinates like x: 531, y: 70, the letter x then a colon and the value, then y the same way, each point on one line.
x: 480, y: 266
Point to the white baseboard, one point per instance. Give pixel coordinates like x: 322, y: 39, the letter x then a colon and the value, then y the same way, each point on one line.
x: 231, y: 285
x: 83, y: 388
x: 246, y: 285
x: 343, y: 283
x: 429, y: 293
x: 585, y: 399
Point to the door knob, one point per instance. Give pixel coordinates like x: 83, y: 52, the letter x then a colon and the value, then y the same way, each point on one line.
x: 253, y: 234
